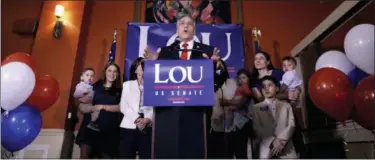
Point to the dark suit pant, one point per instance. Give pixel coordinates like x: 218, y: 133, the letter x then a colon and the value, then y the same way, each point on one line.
x: 238, y: 141
x: 179, y: 133
x: 217, y: 147
x: 133, y: 141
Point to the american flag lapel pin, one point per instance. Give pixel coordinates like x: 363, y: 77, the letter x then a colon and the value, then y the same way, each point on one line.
x: 264, y: 108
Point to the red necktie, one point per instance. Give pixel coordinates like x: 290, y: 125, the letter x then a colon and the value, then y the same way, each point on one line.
x: 184, y: 54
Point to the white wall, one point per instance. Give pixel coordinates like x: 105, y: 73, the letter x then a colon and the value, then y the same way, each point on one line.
x: 48, y: 144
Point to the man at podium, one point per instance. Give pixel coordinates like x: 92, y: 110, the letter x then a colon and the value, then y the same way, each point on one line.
x: 180, y: 132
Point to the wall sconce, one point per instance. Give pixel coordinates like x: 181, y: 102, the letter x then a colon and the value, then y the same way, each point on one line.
x: 57, y: 30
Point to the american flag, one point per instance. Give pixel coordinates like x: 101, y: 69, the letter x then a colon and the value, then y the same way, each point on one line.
x: 256, y: 33
x: 257, y: 46
x: 112, y: 52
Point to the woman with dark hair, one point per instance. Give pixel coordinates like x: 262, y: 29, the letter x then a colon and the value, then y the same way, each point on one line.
x: 106, y: 100
x: 133, y: 67
x: 136, y: 129
x: 263, y: 67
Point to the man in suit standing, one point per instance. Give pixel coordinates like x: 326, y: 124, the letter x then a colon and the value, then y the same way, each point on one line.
x: 180, y: 132
x: 273, y: 122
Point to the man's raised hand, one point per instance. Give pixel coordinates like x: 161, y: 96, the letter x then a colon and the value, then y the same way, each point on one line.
x: 215, y: 55
x: 149, y: 55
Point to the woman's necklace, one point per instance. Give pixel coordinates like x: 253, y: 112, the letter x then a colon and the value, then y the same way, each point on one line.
x: 107, y: 86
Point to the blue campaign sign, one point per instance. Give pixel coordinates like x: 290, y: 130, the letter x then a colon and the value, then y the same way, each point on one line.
x: 227, y: 38
x: 179, y: 83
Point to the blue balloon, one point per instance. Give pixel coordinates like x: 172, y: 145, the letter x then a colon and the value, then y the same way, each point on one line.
x: 357, y: 75
x: 20, y: 127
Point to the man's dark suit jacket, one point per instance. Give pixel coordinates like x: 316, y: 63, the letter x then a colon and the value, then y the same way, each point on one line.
x: 179, y: 132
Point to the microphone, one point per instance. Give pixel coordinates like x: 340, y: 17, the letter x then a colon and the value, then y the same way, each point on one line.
x: 175, y: 47
x: 178, y: 49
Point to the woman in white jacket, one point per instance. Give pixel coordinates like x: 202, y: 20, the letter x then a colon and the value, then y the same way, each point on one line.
x: 135, y: 126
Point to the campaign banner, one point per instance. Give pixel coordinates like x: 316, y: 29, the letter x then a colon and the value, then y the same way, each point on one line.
x: 228, y: 38
x: 178, y: 83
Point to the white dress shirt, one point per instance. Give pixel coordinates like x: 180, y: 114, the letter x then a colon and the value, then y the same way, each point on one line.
x: 190, y: 46
x: 131, y: 105
x: 291, y: 79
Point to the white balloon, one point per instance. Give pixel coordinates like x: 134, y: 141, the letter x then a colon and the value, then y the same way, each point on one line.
x: 359, y: 47
x: 17, y: 84
x: 334, y: 59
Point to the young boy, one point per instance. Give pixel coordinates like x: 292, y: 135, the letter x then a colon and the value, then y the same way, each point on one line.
x: 84, y: 88
x: 273, y: 122
x: 290, y: 79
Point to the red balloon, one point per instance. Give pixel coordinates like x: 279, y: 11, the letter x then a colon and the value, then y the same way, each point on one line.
x: 332, y: 92
x: 20, y: 57
x: 45, y: 93
x: 364, y: 102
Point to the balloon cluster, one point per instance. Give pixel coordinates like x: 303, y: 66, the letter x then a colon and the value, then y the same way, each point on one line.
x: 343, y: 84
x: 23, y: 98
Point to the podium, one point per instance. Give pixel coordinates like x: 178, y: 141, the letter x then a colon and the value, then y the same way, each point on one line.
x: 182, y: 93
x: 179, y: 133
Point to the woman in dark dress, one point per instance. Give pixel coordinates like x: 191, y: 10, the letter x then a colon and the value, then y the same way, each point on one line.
x: 103, y: 144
